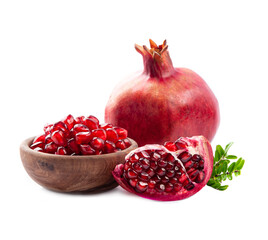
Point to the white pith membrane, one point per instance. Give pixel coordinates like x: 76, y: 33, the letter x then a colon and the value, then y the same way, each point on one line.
x: 196, y: 145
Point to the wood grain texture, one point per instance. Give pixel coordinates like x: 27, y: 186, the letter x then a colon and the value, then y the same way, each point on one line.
x: 72, y: 173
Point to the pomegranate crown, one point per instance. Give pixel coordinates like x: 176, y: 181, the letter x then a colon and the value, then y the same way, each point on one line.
x: 157, y: 62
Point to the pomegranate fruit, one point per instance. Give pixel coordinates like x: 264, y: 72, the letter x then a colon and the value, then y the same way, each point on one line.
x: 163, y: 103
x: 166, y: 173
x: 81, y: 136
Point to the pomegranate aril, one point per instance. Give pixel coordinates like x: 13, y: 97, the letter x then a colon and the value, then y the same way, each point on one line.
x: 40, y: 138
x: 61, y: 151
x: 169, y: 187
x: 127, y: 165
x: 150, y: 172
x: 160, y: 187
x: 173, y: 180
x: 170, y: 158
x: 127, y: 142
x: 74, y: 147
x: 47, y: 128
x: 196, y: 157
x: 151, y: 183
x: 169, y: 166
x: 133, y: 182
x: 106, y: 125
x: 156, y: 178
x: 180, y: 144
x: 51, y: 147
x: 137, y: 167
x: 162, y: 163
x: 189, y: 186
x: 69, y: 121
x: 155, y: 156
x: 38, y: 149
x: 200, y: 177
x: 91, y: 124
x: 201, y: 164
x: 82, y: 137
x: 182, y: 178
x: 59, y: 138
x: 164, y: 179
x: 79, y: 120
x: 80, y: 128
x: 145, y: 163
x: 111, y: 135
x: 177, y: 187
x: 143, y: 154
x: 131, y: 174
x: 144, y: 176
x: 59, y: 126
x: 170, y: 173
x: 141, y: 186
x: 100, y: 133
x: 134, y: 158
x: 37, y: 144
x: 121, y: 132
x: 188, y: 164
x: 93, y: 118
x: 193, y: 174
x: 161, y: 172
x: 170, y: 146
x: 185, y: 156
x: 86, y: 149
x: 153, y: 165
x: 97, y: 143
x: 109, y: 147
x: 48, y: 139
x: 120, y: 145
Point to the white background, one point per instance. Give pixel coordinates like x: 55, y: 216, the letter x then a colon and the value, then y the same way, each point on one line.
x: 61, y: 57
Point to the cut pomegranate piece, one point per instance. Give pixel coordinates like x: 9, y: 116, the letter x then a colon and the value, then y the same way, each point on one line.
x: 166, y: 175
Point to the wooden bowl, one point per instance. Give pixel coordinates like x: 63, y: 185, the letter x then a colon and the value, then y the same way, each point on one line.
x: 91, y: 173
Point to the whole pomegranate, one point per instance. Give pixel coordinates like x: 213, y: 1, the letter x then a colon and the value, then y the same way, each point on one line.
x: 163, y: 103
x: 166, y: 173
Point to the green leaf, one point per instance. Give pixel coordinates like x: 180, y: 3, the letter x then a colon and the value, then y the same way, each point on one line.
x: 220, y: 151
x: 230, y: 177
x: 228, y: 147
x: 224, y: 177
x: 217, y: 157
x: 222, y: 188
x: 231, y: 167
x: 231, y: 157
x: 237, y: 173
x: 240, y: 165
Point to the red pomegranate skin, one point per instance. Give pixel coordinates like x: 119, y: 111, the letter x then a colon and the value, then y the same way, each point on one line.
x: 163, y: 103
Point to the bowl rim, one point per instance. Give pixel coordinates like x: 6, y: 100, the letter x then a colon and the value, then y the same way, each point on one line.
x: 25, y: 146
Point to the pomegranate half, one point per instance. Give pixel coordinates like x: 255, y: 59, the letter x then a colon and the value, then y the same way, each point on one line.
x: 155, y: 172
x: 163, y: 103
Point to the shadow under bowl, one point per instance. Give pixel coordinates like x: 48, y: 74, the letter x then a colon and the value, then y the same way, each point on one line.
x: 62, y: 173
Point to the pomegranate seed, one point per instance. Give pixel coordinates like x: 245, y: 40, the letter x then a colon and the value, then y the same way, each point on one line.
x: 131, y: 174
x: 145, y: 163
x: 170, y: 146
x: 37, y: 144
x: 169, y: 187
x: 127, y: 165
x: 177, y: 187
x: 201, y: 164
x: 188, y: 164
x: 109, y: 147
x: 162, y: 163
x: 174, y: 180
x: 170, y: 173
x: 106, y: 125
x: 154, y: 165
x: 133, y: 182
x: 161, y: 172
x: 97, y: 143
x: 160, y: 187
x: 86, y: 149
x: 150, y: 172
x: 200, y: 177
x: 111, y: 135
x: 38, y: 149
x: 82, y: 137
x: 73, y: 146
x: 120, y: 144
x: 189, y: 186
x: 100, y: 133
x: 61, y: 151
x: 47, y: 128
x: 59, y: 126
x: 50, y: 147
x: 156, y: 178
x: 79, y: 120
x: 40, y: 138
x: 170, y: 158
x: 143, y: 154
x: 137, y: 167
x: 185, y: 156
x: 169, y: 166
x: 80, y: 128
x: 69, y: 121
x: 155, y: 156
x: 134, y: 158
x: 59, y: 138
x: 48, y: 139
x: 91, y: 124
x: 183, y: 178
x: 141, y: 186
x: 96, y: 120
x: 180, y: 144
x: 196, y: 157
x: 164, y: 179
x: 144, y: 176
x: 127, y: 142
x: 193, y: 175
x: 121, y: 132
x: 151, y: 184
